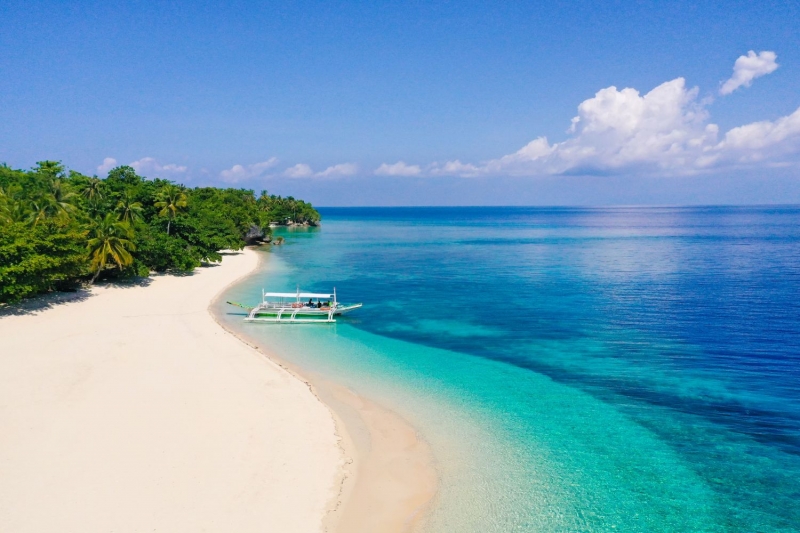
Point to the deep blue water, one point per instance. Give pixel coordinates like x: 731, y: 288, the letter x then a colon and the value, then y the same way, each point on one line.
x: 573, y: 369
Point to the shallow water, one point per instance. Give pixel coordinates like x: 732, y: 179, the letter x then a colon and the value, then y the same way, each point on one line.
x: 572, y: 369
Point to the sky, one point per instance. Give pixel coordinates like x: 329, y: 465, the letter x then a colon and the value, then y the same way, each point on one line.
x: 414, y: 103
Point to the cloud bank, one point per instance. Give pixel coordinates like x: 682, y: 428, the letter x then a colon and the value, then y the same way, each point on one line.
x: 239, y: 173
x: 666, y: 131
x: 108, y: 164
x: 398, y: 169
x: 144, y: 166
x: 302, y: 170
x: 343, y: 169
x: 149, y: 166
x: 749, y: 67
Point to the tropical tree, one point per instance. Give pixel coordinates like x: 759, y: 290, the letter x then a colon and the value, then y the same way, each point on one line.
x: 5, y: 208
x: 39, y: 211
x: 55, y: 204
x: 40, y: 259
x: 62, y: 199
x: 51, y: 169
x: 12, y: 208
x: 93, y: 190
x: 128, y: 210
x: 48, y: 217
x: 291, y: 206
x: 110, y: 243
x: 170, y: 200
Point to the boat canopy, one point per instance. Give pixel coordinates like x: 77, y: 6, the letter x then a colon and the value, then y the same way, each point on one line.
x: 297, y: 295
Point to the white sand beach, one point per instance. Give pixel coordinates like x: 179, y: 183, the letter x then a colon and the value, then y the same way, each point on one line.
x: 131, y: 410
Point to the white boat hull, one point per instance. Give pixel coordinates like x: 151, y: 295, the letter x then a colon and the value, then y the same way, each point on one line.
x: 298, y: 315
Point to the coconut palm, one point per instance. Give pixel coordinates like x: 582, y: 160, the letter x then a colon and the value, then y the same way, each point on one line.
x: 12, y: 208
x: 53, y: 205
x: 291, y: 205
x: 129, y: 210
x: 51, y: 169
x: 5, y: 208
x: 93, y: 190
x: 39, y: 210
x: 170, y: 200
x: 62, y: 198
x: 109, y: 244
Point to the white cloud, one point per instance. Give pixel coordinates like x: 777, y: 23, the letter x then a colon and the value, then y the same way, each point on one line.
x: 148, y: 165
x: 398, y: 169
x: 300, y: 170
x: 454, y: 168
x: 615, y: 130
x: 108, y: 164
x: 239, y: 173
x: 665, y: 131
x: 342, y: 169
x: 749, y: 67
x: 759, y: 141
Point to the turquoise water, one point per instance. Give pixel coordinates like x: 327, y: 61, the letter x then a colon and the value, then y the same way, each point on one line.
x: 633, y: 369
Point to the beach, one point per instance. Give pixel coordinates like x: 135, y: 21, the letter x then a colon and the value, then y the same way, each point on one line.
x: 595, y: 403
x: 127, y: 408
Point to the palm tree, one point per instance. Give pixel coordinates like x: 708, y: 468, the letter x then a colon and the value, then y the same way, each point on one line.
x: 56, y: 204
x: 40, y: 209
x: 128, y: 210
x: 53, y: 169
x: 291, y: 204
x: 5, y: 208
x: 110, y: 244
x: 12, y: 208
x: 62, y: 198
x: 93, y: 192
x: 170, y: 200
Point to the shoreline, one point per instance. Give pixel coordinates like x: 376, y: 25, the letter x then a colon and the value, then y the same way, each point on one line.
x: 388, y: 481
x: 126, y: 408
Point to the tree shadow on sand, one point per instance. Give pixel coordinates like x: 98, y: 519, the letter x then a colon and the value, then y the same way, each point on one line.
x: 43, y: 302
x: 53, y: 299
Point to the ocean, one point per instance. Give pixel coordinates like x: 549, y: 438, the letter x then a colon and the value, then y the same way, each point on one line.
x: 573, y: 369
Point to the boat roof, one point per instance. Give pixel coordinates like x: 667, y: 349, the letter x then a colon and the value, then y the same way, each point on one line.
x: 297, y: 295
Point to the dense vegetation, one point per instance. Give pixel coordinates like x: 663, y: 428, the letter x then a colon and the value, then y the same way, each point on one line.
x: 59, y: 229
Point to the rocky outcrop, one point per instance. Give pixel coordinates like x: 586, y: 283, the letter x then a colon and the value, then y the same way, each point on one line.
x: 256, y: 235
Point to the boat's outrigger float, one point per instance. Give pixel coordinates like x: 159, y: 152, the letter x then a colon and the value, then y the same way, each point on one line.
x: 292, y: 308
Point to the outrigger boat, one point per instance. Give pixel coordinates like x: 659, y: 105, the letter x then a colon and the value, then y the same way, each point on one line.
x: 292, y: 307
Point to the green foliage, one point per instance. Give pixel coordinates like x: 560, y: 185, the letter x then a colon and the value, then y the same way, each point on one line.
x: 170, y: 200
x: 161, y: 252
x: 279, y: 210
x: 41, y: 258
x: 129, y: 210
x: 110, y: 242
x: 59, y: 228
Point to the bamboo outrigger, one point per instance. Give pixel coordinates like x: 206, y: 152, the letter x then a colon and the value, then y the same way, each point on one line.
x: 291, y: 308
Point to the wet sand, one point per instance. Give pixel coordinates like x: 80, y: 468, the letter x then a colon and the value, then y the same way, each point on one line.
x: 389, y: 480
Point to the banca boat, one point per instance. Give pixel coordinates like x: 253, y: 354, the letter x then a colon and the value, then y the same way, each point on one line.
x: 297, y: 307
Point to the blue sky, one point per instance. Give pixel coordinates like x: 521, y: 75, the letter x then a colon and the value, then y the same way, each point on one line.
x: 387, y: 103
